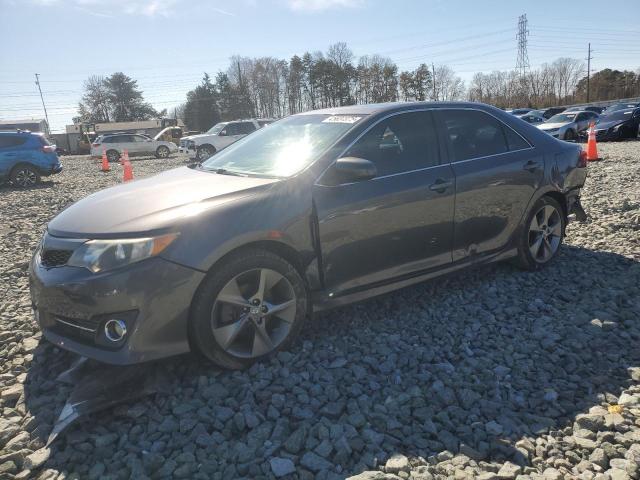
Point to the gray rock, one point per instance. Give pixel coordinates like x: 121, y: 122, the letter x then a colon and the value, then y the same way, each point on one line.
x: 281, y: 466
x: 315, y: 462
x: 37, y: 459
x: 397, y: 463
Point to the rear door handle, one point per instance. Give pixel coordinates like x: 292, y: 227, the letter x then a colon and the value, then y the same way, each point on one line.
x: 440, y: 185
x: 532, y: 165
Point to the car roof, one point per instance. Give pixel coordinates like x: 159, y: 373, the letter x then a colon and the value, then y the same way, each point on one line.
x: 375, y: 108
x: 19, y: 132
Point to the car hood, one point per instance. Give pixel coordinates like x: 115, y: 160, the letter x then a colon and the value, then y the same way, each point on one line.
x: 604, y: 124
x: 153, y: 204
x: 550, y: 126
x: 195, y: 137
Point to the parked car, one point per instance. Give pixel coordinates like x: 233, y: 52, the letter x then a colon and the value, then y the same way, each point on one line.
x: 618, y: 125
x: 582, y: 108
x: 135, y: 144
x: 25, y: 157
x: 218, y: 137
x: 550, y: 112
x: 519, y: 111
x: 568, y: 126
x: 532, y: 117
x: 320, y: 209
x: 620, y: 106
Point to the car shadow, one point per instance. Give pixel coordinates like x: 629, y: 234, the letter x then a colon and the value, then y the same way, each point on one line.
x: 44, y: 184
x: 429, y: 368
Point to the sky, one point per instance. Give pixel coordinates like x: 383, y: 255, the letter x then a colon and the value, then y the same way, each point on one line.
x: 167, y: 45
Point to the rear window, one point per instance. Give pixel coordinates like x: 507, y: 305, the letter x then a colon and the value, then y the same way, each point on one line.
x: 7, y: 141
x: 473, y: 134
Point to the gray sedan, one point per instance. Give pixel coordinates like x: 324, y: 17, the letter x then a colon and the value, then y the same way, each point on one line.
x: 321, y: 209
x: 568, y: 126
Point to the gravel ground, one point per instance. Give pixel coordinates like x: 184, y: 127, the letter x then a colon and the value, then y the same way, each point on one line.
x: 494, y: 373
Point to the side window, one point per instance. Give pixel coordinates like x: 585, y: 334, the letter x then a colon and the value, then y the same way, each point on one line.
x: 247, y: 127
x: 515, y: 141
x: 139, y: 139
x: 9, y: 141
x: 473, y: 134
x: 401, y: 143
x: 232, y: 129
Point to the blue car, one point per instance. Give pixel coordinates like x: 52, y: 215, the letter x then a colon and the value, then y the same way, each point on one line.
x: 25, y: 157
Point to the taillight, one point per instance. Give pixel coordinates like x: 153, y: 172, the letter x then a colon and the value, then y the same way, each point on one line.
x: 582, y: 159
x: 49, y: 148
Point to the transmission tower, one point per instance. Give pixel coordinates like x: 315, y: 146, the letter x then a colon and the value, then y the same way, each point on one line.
x: 522, y: 64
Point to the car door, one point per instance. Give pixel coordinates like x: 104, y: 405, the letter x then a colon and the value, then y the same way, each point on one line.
x: 228, y: 135
x: 141, y: 145
x: 582, y: 121
x: 9, y: 154
x: 395, y: 224
x: 497, y: 172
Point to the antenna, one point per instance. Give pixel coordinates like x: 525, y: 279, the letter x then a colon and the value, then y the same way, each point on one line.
x: 522, y: 64
x: 42, y: 98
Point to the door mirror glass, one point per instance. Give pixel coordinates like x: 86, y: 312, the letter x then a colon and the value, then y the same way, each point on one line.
x: 351, y: 169
x: 223, y: 133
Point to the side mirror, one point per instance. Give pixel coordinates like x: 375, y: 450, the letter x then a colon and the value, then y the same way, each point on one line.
x: 223, y: 133
x: 351, y: 169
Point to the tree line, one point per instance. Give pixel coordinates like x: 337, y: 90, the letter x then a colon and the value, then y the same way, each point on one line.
x: 269, y: 87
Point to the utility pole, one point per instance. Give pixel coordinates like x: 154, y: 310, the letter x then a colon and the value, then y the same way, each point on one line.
x: 588, y: 70
x: 433, y: 69
x: 42, y: 98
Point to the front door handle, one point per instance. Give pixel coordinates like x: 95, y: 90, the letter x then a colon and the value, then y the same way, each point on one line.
x: 440, y: 185
x: 532, y: 165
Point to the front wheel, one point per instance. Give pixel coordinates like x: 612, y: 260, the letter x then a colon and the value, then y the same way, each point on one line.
x: 25, y: 176
x: 251, y: 306
x: 113, y: 156
x: 570, y: 135
x: 162, y: 152
x: 204, y: 152
x: 542, y: 234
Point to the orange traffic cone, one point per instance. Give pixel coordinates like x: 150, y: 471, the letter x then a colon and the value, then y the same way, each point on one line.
x: 125, y: 158
x: 592, y: 148
x: 105, y: 163
x: 128, y: 172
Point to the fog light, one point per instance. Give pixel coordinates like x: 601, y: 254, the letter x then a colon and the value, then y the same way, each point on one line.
x: 115, y: 330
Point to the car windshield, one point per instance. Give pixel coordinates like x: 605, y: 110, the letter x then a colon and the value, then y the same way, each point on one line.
x: 617, y: 115
x: 618, y: 106
x: 217, y: 128
x: 562, y: 118
x: 285, y: 148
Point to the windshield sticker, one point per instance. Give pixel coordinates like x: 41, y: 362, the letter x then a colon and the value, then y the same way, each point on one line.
x: 341, y: 119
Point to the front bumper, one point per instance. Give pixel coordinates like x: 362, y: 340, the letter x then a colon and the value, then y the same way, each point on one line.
x: 153, y: 297
x: 51, y: 170
x: 609, y: 134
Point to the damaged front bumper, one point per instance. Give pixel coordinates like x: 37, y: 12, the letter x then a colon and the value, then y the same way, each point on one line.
x: 147, y: 302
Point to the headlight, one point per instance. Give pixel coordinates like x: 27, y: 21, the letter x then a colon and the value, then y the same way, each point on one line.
x: 101, y: 255
x: 552, y: 130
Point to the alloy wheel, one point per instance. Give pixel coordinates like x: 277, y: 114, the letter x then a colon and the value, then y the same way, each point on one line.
x: 253, y: 313
x: 204, y: 153
x: 545, y: 234
x: 163, y: 152
x: 26, y: 178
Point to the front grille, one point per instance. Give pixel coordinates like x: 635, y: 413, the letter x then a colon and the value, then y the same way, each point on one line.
x: 55, y: 258
x: 183, y: 143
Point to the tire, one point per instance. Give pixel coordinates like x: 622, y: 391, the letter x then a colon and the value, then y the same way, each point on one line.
x: 25, y: 176
x: 570, y: 135
x: 542, y: 233
x: 231, y: 324
x: 113, y: 156
x: 162, y: 152
x: 204, y: 152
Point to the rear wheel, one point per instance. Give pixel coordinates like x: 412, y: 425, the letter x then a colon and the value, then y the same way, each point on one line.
x: 162, y: 152
x: 542, y: 234
x: 204, y: 152
x: 25, y: 176
x: 113, y: 156
x: 251, y: 306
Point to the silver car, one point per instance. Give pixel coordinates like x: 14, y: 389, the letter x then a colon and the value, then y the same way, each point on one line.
x: 567, y: 126
x: 135, y: 144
